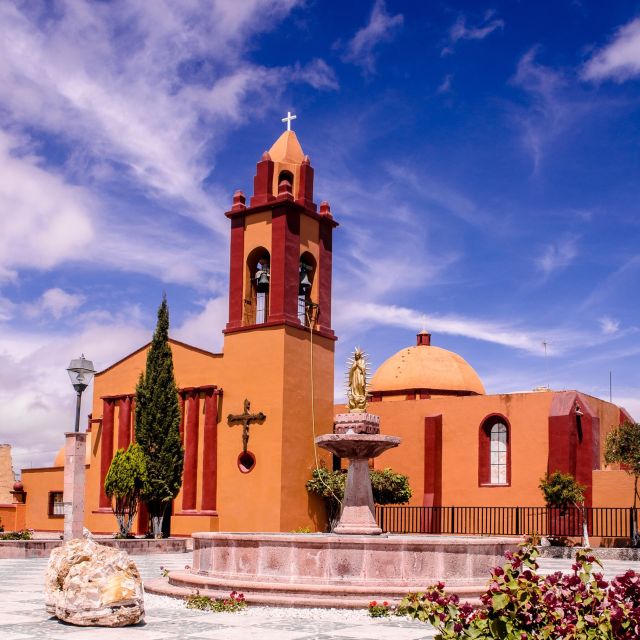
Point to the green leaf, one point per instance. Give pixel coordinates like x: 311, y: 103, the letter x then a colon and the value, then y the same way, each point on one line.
x: 499, y: 601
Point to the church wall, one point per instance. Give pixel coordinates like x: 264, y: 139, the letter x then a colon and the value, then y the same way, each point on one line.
x: 461, y: 422
x: 299, y: 509
x: 254, y: 365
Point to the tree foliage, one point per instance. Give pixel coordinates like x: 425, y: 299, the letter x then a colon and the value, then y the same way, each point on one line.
x: 561, y: 490
x: 158, y: 423
x: 388, y: 488
x: 622, y: 446
x: 124, y: 483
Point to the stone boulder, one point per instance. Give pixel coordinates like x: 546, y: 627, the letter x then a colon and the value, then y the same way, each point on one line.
x: 88, y: 584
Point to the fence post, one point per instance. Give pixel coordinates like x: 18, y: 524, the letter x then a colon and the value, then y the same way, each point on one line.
x: 517, y: 521
x: 453, y: 519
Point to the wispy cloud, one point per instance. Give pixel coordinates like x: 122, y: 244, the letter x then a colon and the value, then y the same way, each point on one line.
x: 54, y: 302
x: 461, y: 30
x: 445, y: 85
x: 609, y: 326
x: 557, y: 256
x: 372, y: 314
x: 620, y: 59
x: 382, y: 27
x: 548, y: 113
x: 317, y: 73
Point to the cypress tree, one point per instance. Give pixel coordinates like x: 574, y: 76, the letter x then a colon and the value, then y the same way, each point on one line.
x: 158, y: 424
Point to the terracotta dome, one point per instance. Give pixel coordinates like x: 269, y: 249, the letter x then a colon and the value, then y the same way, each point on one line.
x: 59, y: 459
x: 426, y: 367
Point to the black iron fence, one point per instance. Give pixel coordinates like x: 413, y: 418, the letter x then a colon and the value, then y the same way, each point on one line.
x: 605, y: 522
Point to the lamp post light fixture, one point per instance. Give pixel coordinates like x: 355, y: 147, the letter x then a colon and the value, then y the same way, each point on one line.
x: 81, y: 373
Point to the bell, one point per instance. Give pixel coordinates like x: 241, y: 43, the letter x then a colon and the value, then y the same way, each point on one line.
x: 263, y: 278
x: 305, y: 283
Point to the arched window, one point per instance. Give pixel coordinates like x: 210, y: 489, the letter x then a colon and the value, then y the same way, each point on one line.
x: 494, y: 464
x: 256, y: 303
x: 305, y: 289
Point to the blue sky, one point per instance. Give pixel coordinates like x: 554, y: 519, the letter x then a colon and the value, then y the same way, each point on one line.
x: 482, y: 160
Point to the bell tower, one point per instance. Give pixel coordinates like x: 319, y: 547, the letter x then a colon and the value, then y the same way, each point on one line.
x: 281, y: 246
x: 278, y: 342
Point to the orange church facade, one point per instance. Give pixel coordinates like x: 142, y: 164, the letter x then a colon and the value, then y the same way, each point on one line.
x: 459, y: 445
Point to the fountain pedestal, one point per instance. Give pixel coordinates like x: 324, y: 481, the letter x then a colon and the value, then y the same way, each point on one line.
x: 357, y: 438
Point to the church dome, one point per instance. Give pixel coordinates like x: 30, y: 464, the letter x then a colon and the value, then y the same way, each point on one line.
x: 427, y: 368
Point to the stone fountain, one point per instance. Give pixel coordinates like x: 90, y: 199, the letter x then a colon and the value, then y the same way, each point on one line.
x: 354, y: 564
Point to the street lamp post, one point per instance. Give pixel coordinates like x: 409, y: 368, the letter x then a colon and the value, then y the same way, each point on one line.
x: 80, y: 372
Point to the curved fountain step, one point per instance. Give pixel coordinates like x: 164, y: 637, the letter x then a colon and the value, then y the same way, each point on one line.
x: 182, y: 584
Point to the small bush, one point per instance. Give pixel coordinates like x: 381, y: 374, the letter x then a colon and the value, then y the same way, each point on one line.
x: 23, y: 534
x: 379, y: 610
x: 302, y: 530
x: 235, y: 602
x: 520, y: 604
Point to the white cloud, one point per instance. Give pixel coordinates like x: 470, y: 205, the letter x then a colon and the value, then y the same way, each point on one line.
x: 44, y: 220
x: 557, y: 256
x: 317, y: 73
x: 609, y: 326
x: 371, y: 314
x: 445, y: 85
x: 36, y: 397
x: 204, y: 329
x: 620, y: 59
x: 461, y: 31
x: 548, y: 113
x: 381, y: 27
x: 54, y: 302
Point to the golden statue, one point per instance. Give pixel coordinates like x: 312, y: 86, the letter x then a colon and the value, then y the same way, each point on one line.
x: 357, y: 383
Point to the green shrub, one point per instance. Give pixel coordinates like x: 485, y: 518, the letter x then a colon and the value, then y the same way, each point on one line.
x: 23, y: 534
x: 388, y: 488
x: 235, y: 602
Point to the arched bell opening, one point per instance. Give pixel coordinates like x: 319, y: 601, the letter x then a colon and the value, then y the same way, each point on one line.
x: 256, y: 302
x: 307, y: 307
x: 287, y: 176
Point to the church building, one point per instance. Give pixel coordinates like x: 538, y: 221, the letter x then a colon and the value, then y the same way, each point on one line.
x: 250, y: 414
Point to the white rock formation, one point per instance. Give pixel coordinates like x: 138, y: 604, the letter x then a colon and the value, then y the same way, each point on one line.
x: 88, y: 584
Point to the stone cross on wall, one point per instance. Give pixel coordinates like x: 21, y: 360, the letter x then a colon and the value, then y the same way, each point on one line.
x: 245, y: 419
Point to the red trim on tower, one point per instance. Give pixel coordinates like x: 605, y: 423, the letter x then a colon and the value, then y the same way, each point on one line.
x: 124, y: 422
x: 325, y: 267
x: 189, y: 484
x: 106, y: 449
x: 236, y: 272
x: 285, y: 250
x: 210, y: 451
x: 305, y: 190
x: 263, y: 182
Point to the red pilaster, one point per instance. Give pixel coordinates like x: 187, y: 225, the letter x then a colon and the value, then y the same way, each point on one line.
x: 305, y: 191
x: 432, y: 492
x: 325, y: 266
x: 263, y: 181
x: 133, y: 419
x: 210, y: 450
x: 285, y: 253
x: 189, y: 485
x: 124, y: 422
x: 236, y: 272
x: 106, y: 448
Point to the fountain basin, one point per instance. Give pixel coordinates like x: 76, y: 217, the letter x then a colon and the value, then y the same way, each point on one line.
x: 357, y: 445
x: 330, y: 570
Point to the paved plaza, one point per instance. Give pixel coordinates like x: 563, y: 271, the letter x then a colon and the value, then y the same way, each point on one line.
x: 23, y: 617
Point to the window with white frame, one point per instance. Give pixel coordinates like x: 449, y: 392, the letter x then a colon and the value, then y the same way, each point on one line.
x: 498, y: 452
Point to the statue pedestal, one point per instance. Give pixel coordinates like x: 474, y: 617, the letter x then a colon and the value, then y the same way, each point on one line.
x: 357, y: 437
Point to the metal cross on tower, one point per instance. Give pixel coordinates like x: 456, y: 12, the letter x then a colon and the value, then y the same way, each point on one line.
x: 245, y: 419
x: 288, y: 120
